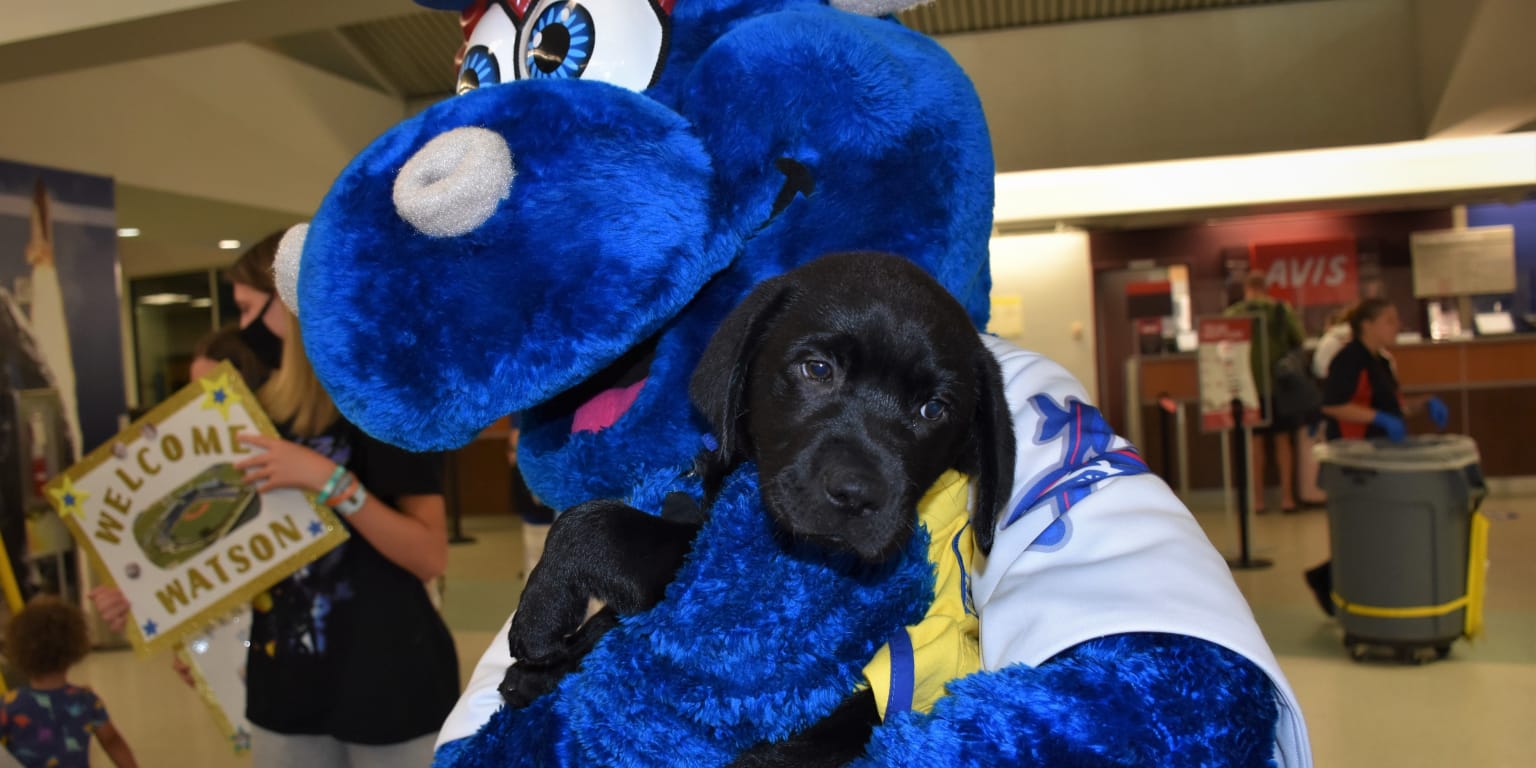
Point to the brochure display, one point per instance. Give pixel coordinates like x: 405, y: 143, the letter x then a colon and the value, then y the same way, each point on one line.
x: 1226, y: 346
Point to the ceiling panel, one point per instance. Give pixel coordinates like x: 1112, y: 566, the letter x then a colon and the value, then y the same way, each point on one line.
x: 412, y: 54
x: 947, y: 17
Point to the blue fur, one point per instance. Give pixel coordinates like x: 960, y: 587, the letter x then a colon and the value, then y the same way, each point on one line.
x: 647, y: 216
x: 753, y: 642
x: 1129, y: 700
x: 637, y: 215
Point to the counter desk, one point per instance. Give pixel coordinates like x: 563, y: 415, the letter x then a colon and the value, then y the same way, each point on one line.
x: 1488, y: 383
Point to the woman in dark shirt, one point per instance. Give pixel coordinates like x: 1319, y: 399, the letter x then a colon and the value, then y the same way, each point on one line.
x: 1361, y: 397
x: 350, y: 666
x: 1361, y: 400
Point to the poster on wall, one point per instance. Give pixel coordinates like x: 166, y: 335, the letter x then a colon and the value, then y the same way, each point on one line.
x: 164, y: 515
x: 1309, y: 273
x: 60, y: 345
x: 1226, y: 372
x: 59, y: 292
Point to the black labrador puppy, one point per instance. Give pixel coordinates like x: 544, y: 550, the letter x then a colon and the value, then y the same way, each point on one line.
x: 854, y: 382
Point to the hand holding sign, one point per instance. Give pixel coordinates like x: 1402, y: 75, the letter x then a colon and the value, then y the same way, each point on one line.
x: 111, y: 605
x: 283, y: 464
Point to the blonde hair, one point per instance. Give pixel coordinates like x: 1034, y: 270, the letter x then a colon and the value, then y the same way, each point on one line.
x: 293, y: 395
x: 254, y: 267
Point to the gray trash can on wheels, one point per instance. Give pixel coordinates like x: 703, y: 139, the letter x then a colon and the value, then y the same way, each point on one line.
x: 1408, y: 543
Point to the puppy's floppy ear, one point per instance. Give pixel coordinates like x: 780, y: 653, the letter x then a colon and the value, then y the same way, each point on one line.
x: 990, y: 454
x: 719, y: 384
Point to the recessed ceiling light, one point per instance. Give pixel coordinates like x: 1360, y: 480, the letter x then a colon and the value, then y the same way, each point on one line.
x: 164, y: 299
x: 202, y: 303
x: 127, y: 231
x: 229, y: 245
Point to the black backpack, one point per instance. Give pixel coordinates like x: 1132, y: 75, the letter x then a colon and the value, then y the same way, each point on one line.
x: 1296, y: 396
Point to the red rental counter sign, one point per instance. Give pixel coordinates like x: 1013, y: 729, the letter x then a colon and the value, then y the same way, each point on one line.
x: 1308, y: 273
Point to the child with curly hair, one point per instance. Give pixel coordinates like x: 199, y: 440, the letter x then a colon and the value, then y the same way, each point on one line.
x: 49, y: 722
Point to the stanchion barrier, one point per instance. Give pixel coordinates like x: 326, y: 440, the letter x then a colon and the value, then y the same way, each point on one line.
x: 1245, y: 559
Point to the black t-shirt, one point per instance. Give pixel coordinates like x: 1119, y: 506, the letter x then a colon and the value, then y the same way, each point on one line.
x: 350, y: 646
x: 1358, y: 376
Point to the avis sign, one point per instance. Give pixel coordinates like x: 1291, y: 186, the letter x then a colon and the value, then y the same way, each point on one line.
x: 165, y: 517
x: 1308, y: 273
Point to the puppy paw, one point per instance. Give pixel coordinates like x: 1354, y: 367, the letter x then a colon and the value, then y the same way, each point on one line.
x: 525, y: 682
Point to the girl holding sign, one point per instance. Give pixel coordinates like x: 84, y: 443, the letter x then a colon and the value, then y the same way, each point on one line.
x: 349, y: 663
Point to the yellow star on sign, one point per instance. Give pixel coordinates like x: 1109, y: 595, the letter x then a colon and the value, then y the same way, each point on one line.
x: 68, y: 498
x: 217, y: 394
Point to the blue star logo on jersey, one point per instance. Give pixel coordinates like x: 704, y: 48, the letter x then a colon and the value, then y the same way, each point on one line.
x: 150, y: 628
x: 1092, y: 453
x: 316, y: 528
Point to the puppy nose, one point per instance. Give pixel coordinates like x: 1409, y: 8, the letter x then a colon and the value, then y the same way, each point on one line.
x: 852, y: 491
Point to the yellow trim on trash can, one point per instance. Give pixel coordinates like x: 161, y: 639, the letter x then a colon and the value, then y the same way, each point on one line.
x: 1477, y: 575
x: 1413, y: 612
x: 1477, y: 581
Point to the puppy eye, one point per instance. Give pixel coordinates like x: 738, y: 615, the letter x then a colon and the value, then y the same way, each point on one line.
x: 933, y: 410
x: 816, y: 370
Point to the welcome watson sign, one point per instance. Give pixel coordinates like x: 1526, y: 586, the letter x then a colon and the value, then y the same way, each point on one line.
x: 164, y: 515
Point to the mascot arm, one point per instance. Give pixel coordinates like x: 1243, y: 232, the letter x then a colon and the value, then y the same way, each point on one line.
x: 1094, y: 557
x: 1129, y: 700
x: 481, y: 697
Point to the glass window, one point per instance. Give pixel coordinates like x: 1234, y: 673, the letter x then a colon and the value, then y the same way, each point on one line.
x: 170, y: 314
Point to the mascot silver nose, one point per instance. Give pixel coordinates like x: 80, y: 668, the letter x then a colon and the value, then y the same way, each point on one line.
x: 285, y: 266
x: 453, y: 184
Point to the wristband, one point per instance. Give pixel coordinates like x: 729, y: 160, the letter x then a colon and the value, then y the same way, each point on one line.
x: 330, y: 484
x: 343, y: 489
x: 354, y: 502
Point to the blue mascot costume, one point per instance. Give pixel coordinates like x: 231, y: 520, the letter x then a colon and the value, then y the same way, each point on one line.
x: 562, y: 238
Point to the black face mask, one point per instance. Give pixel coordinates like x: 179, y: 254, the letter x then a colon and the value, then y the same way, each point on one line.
x: 266, y: 344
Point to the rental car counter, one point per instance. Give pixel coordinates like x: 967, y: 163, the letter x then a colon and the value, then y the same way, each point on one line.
x: 1489, y: 384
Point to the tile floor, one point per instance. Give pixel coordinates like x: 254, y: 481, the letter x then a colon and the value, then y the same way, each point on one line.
x: 1473, y: 709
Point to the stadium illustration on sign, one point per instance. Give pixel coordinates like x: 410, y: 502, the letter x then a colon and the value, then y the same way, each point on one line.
x: 196, y: 515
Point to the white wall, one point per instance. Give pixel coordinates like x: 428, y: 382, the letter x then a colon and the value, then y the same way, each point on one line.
x: 235, y: 123
x: 31, y: 19
x: 1042, y: 299
x: 1232, y: 81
